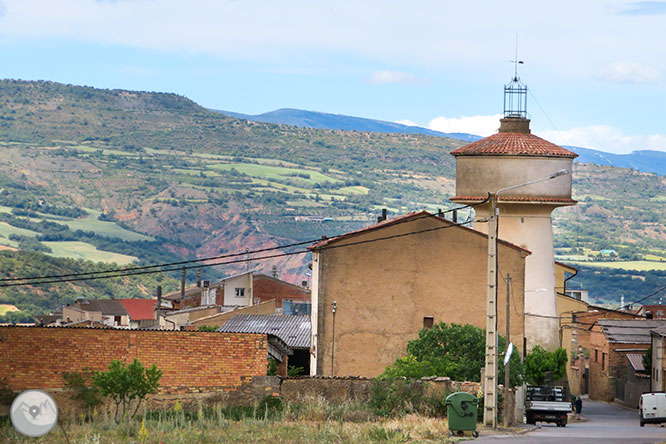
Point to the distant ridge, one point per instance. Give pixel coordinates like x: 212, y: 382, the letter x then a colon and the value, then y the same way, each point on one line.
x: 314, y: 119
x: 642, y: 160
x: 647, y: 161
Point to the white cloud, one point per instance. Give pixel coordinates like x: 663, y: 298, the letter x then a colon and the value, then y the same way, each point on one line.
x: 386, y: 76
x: 407, y: 122
x: 606, y: 138
x: 628, y: 72
x: 479, y: 125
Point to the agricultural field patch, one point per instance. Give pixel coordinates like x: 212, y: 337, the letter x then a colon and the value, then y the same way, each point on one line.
x: 6, y: 308
x: 276, y: 172
x: 86, y: 251
x: 104, y: 228
x: 625, y: 265
x: 6, y: 230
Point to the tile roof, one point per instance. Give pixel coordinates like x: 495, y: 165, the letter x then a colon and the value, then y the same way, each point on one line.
x: 293, y: 330
x: 513, y: 144
x: 630, y: 331
x: 514, y: 199
x: 139, y: 309
x: 636, y: 361
x: 405, y: 218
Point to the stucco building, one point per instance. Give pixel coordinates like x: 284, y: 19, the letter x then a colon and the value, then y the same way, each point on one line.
x: 375, y: 288
x: 512, y: 157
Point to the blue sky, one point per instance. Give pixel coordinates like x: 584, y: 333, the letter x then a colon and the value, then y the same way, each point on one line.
x: 595, y: 68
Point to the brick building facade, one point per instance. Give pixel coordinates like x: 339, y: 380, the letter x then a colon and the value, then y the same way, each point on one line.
x: 36, y: 357
x: 610, y: 342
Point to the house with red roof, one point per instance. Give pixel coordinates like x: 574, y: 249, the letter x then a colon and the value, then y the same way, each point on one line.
x: 139, y: 310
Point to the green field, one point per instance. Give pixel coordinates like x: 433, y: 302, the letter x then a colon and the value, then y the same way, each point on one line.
x: 6, y: 308
x: 624, y: 265
x: 6, y: 230
x: 103, y: 228
x: 85, y: 251
x: 275, y: 172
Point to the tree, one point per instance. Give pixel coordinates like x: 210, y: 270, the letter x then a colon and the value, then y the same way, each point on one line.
x: 127, y: 383
x: 647, y: 360
x: 539, y: 362
x: 453, y: 350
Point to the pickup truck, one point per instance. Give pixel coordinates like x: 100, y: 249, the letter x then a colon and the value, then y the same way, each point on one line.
x: 546, y: 404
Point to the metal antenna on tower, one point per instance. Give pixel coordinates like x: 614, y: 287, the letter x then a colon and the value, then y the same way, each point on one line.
x: 515, y: 93
x: 516, y: 62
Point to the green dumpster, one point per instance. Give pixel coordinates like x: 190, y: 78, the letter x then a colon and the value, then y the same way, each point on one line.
x: 461, y: 410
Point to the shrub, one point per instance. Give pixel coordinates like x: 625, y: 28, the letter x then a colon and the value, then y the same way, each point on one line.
x: 126, y: 383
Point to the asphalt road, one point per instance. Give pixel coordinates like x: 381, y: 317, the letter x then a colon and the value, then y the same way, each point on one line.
x: 607, y: 422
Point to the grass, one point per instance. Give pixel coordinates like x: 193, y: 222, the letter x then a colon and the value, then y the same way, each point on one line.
x: 625, y: 265
x: 86, y: 251
x: 276, y: 172
x: 316, y: 423
x: 104, y: 228
x: 6, y: 308
x: 6, y: 230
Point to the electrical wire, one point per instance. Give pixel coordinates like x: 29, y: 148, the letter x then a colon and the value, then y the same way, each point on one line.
x: 128, y: 271
x: 148, y: 269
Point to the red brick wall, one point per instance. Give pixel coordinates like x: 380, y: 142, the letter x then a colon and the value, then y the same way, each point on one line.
x: 36, y: 357
x: 264, y: 288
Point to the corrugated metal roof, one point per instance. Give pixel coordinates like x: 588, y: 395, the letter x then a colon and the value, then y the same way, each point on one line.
x: 293, y: 330
x: 630, y: 331
x: 636, y: 361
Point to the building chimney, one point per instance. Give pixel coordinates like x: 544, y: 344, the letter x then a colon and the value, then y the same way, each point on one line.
x: 382, y: 218
x: 274, y: 272
x: 198, y: 277
x: 182, y: 283
x: 159, y: 296
x: 440, y: 213
x: 455, y: 216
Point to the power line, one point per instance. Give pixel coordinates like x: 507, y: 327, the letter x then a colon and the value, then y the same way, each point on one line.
x: 148, y: 269
x: 129, y: 270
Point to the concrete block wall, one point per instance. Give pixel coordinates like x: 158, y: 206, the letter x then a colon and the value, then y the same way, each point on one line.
x: 191, y: 362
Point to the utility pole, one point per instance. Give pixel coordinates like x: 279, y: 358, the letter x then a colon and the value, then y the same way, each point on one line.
x: 507, y: 368
x: 335, y: 308
x: 490, y: 383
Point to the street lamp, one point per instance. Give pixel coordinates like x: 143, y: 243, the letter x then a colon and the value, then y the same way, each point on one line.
x: 490, y: 383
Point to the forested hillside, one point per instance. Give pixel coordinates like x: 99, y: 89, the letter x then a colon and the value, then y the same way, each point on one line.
x: 138, y: 177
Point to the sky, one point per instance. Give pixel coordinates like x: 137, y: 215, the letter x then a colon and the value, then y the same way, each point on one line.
x: 595, y: 70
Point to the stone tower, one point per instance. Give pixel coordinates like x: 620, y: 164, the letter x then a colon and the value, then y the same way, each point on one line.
x: 512, y: 157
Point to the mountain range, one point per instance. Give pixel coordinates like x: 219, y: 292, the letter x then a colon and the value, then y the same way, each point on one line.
x: 642, y: 160
x: 91, y: 176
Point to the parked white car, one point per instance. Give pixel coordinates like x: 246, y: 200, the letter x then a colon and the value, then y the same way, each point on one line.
x: 652, y: 408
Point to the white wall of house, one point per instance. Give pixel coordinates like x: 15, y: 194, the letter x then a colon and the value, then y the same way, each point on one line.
x: 238, y: 290
x: 657, y: 374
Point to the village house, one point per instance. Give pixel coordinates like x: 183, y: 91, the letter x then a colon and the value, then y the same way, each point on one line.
x: 610, y: 342
x: 375, y: 288
x: 127, y: 313
x: 655, y: 311
x: 575, y: 329
x: 241, y: 290
x: 658, y: 368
